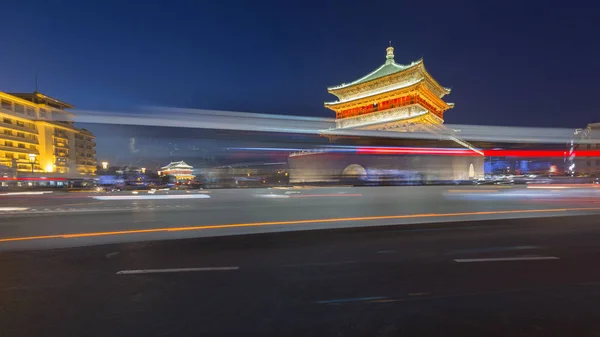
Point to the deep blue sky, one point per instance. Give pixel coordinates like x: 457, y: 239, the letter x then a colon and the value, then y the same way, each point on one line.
x: 507, y: 63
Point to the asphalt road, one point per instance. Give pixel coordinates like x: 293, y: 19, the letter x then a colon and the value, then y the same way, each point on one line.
x: 72, y: 219
x: 510, y: 277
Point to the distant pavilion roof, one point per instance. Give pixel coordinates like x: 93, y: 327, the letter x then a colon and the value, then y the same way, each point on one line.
x: 176, y: 165
x: 388, y: 68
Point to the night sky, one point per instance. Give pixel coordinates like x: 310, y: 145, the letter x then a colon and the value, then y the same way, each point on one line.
x: 507, y: 63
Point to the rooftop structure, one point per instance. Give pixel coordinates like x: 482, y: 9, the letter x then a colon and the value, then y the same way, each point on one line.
x: 392, y: 97
x: 39, y: 98
x: 178, y: 169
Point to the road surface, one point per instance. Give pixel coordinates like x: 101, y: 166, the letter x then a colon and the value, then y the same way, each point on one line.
x: 510, y: 277
x: 51, y: 220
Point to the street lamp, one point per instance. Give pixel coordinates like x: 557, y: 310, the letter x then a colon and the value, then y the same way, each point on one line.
x: 104, y: 165
x: 32, y: 160
x: 143, y: 170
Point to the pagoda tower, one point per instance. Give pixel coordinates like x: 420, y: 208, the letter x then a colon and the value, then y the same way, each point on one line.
x: 393, y: 97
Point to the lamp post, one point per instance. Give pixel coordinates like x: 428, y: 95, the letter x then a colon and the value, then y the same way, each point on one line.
x: 32, y: 160
x: 143, y: 170
x: 105, y: 165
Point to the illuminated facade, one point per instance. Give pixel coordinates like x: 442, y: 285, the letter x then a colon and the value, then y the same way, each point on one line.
x: 179, y: 170
x: 393, y: 97
x: 589, y: 139
x: 37, y: 135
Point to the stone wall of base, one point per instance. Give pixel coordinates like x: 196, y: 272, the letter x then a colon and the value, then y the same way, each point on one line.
x: 329, y: 167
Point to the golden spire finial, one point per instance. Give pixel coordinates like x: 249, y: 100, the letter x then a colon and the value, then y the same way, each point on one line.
x: 389, y: 55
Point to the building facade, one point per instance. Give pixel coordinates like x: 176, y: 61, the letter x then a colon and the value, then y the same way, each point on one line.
x: 37, y: 135
x: 586, y: 139
x: 394, y: 98
x: 178, y: 170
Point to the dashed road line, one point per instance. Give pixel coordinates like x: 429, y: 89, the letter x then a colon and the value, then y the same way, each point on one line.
x: 504, y: 259
x: 174, y: 270
x: 317, y: 264
x: 355, y: 299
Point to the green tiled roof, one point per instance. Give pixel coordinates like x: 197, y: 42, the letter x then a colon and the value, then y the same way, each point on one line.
x: 388, y: 68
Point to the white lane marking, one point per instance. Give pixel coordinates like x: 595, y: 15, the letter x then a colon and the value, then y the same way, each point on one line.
x: 500, y: 259
x: 493, y: 249
x: 317, y: 264
x: 7, y: 209
x: 27, y: 193
x: 173, y: 270
x: 153, y: 197
x: 391, y: 251
x: 272, y: 196
x: 355, y: 299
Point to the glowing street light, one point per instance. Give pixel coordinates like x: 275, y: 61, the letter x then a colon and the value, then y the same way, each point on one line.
x: 32, y: 160
x: 105, y: 165
x: 143, y: 170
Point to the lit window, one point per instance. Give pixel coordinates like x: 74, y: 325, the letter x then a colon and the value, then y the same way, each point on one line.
x: 19, y: 108
x: 6, y: 104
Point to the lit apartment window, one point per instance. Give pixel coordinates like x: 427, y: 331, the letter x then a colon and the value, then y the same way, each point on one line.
x: 6, y: 104
x: 9, y: 155
x: 32, y: 147
x: 9, y: 144
x: 22, y: 156
x: 20, y: 108
x: 19, y: 123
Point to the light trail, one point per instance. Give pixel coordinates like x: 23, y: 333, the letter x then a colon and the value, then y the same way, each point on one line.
x: 293, y: 222
x: 227, y: 120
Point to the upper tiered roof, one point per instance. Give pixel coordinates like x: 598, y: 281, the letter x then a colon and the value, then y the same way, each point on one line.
x: 388, y: 68
x: 388, y: 77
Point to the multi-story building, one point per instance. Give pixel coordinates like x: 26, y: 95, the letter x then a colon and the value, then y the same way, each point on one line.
x: 37, y: 135
x: 85, y: 152
x: 586, y: 140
